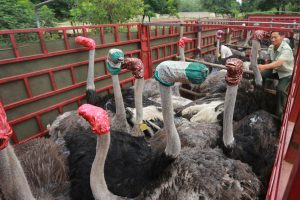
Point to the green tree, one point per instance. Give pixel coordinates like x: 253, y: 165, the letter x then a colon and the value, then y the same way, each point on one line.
x: 47, y: 16
x: 228, y: 7
x: 15, y: 15
x: 160, y: 7
x: 190, y: 6
x: 105, y: 11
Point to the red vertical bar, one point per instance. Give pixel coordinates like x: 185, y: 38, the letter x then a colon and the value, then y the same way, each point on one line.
x: 144, y: 32
x: 129, y: 32
x: 42, y: 41
x: 60, y: 109
x: 29, y: 93
x: 84, y: 32
x: 164, y: 31
x: 102, y: 35
x: 52, y: 80
x: 156, y: 31
x: 165, y: 49
x: 66, y: 40
x: 116, y: 34
x: 74, y: 80
x: 39, y: 122
x: 15, y: 138
x: 14, y: 45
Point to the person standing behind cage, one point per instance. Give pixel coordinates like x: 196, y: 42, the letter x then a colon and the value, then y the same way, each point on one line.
x: 280, y: 65
x: 225, y: 51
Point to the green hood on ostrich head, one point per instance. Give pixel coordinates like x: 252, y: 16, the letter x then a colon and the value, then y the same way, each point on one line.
x: 114, y: 60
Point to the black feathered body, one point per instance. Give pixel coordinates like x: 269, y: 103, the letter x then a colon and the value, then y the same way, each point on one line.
x: 129, y: 167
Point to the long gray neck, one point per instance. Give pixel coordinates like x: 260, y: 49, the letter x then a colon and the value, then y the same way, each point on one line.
x: 120, y: 108
x: 247, y: 38
x: 218, y: 48
x: 181, y: 53
x: 253, y: 62
x: 138, y: 99
x: 173, y: 142
x: 13, y: 182
x: 90, y: 78
x: 229, y: 104
x: 97, y: 180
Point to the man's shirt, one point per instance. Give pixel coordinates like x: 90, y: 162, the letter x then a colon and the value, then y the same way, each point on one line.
x: 225, y: 51
x: 284, y: 53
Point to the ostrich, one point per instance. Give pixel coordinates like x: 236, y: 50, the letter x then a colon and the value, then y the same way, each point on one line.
x: 34, y: 170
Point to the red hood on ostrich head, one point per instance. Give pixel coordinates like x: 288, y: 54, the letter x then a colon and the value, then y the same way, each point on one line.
x: 234, y: 71
x: 260, y: 35
x: 5, y: 129
x: 97, y: 117
x: 219, y: 34
x: 87, y: 42
x: 183, y: 40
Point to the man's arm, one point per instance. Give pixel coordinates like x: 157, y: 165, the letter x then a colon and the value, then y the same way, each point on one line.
x: 272, y: 65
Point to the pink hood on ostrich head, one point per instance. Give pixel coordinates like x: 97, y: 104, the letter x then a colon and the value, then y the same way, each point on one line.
x: 260, y: 35
x: 234, y: 71
x: 219, y: 34
x: 183, y: 40
x: 87, y: 42
x: 97, y: 117
x: 5, y: 129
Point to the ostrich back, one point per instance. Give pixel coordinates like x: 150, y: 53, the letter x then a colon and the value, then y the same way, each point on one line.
x: 130, y: 164
x: 256, y: 138
x: 45, y: 167
x: 205, y: 174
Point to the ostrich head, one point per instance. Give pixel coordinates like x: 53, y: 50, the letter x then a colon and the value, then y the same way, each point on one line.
x: 5, y: 129
x: 114, y: 59
x: 182, y: 43
x: 233, y: 78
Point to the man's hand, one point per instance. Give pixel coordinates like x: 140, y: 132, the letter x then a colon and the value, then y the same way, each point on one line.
x: 260, y: 67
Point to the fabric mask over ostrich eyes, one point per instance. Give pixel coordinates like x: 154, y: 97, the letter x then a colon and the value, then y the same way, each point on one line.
x: 114, y: 60
x: 260, y: 35
x: 234, y: 71
x: 5, y: 129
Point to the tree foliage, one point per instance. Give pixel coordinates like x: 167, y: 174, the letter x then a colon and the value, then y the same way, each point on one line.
x: 15, y: 15
x: 160, y: 7
x: 190, y: 6
x: 227, y: 7
x: 105, y: 11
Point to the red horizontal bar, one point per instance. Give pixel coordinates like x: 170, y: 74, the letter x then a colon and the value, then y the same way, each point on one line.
x: 33, y: 114
x: 63, y: 52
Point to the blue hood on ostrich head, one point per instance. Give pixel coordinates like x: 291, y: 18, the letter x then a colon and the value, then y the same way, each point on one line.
x: 114, y: 60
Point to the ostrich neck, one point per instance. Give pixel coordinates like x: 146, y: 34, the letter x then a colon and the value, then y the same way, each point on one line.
x: 218, y: 48
x: 254, y: 53
x: 90, y: 78
x: 13, y: 181
x: 181, y: 53
x: 97, y: 180
x: 229, y: 104
x: 173, y: 142
x: 247, y: 37
x: 120, y: 108
x: 138, y: 99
